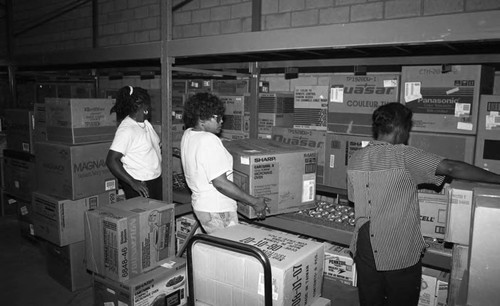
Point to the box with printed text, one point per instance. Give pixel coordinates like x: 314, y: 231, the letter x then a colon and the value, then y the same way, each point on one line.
x: 339, y: 265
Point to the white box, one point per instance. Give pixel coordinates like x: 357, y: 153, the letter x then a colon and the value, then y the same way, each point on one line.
x: 339, y: 265
x: 223, y: 277
x: 433, y: 211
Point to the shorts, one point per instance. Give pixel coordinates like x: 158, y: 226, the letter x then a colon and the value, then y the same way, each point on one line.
x: 211, y: 222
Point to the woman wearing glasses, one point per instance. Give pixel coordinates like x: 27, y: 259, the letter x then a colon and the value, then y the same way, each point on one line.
x: 208, y: 166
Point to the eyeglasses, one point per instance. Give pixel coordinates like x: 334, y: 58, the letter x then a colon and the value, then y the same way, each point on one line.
x: 217, y: 118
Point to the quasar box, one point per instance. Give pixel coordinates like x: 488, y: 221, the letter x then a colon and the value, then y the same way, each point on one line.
x: 162, y: 286
x: 73, y: 171
x: 126, y: 239
x: 283, y: 173
x: 445, y: 100
x: 353, y: 98
x: 223, y: 277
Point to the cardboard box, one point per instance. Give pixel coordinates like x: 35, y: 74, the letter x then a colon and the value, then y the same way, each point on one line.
x: 275, y: 109
x: 19, y: 174
x: 236, y: 114
x: 457, y: 147
x: 305, y: 138
x: 232, y: 135
x: 60, y: 221
x: 428, y: 287
x: 129, y: 238
x: 338, y: 149
x: 488, y: 134
x: 40, y: 123
x: 67, y: 265
x: 310, y: 107
x: 442, y: 285
x: 78, y: 121
x: 322, y: 302
x: 433, y: 211
x: 199, y: 85
x: 283, y: 173
x: 459, y: 275
x: 230, y: 87
x: 164, y: 285
x: 445, y: 101
x: 223, y: 277
x: 484, y: 262
x: 353, y: 98
x: 73, y: 171
x: 339, y: 265
x: 19, y: 129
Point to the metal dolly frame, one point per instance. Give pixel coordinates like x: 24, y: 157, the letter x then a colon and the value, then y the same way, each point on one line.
x: 234, y: 246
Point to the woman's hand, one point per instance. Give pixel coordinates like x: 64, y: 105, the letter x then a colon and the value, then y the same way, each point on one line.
x: 261, y: 208
x: 141, y: 188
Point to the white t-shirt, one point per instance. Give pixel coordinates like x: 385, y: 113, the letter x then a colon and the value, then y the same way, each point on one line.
x: 205, y: 158
x: 140, y: 146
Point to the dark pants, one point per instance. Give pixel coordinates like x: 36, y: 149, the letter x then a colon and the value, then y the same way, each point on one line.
x: 154, y: 187
x: 394, y: 288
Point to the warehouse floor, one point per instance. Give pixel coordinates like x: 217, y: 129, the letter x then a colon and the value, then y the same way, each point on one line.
x: 25, y: 282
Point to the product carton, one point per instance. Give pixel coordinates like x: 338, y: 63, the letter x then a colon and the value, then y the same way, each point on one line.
x: 428, y: 293
x: 443, y: 281
x: 236, y: 113
x: 230, y: 87
x: 285, y: 174
x: 484, y: 262
x: 40, y: 123
x: 305, y: 138
x: 60, y: 221
x: 433, y: 211
x: 339, y: 265
x: 73, y: 171
x: 457, y: 147
x: 129, y: 238
x: 445, y: 100
x: 77, y: 121
x: 66, y: 265
x: 488, y: 134
x: 338, y: 149
x: 310, y: 107
x: 275, y: 109
x: 19, y: 127
x: 223, y: 277
x: 184, y: 225
x: 353, y: 98
x: 164, y: 285
x: 19, y: 174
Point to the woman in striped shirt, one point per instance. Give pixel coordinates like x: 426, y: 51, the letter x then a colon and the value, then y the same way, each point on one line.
x: 383, y: 180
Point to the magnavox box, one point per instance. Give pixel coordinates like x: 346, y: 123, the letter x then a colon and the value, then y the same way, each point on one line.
x: 338, y: 149
x: 19, y: 174
x: 353, y: 98
x: 445, y: 99
x: 283, y: 173
x: 339, y: 264
x: 236, y: 113
x: 77, y: 121
x: 18, y: 124
x: 223, y: 277
x: 128, y: 238
x: 305, y: 138
x: 310, y: 107
x: 73, y: 171
x: 60, y: 221
x: 164, y: 285
x: 488, y: 134
x: 451, y: 146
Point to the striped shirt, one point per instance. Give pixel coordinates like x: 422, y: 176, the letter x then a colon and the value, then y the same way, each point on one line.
x: 382, y: 183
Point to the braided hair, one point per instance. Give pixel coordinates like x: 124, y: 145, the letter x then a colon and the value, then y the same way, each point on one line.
x: 201, y: 106
x: 391, y: 117
x: 128, y: 101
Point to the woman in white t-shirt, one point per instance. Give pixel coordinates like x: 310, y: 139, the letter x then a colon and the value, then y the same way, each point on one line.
x: 134, y: 157
x: 208, y: 166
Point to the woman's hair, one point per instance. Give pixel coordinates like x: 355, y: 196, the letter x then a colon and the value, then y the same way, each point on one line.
x: 391, y: 117
x: 201, y: 106
x: 128, y: 100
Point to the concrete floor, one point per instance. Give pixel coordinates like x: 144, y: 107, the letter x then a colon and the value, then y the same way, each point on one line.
x: 24, y: 280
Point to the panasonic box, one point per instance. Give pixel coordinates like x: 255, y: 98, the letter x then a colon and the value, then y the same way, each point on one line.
x: 283, y: 173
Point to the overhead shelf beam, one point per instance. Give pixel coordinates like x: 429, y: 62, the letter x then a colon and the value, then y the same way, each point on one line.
x: 419, y: 30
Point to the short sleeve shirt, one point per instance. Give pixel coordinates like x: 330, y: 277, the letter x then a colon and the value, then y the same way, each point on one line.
x: 382, y: 182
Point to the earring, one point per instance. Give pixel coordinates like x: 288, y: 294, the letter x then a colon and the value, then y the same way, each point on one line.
x: 146, y: 112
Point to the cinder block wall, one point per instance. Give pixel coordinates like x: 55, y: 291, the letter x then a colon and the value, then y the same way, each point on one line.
x: 123, y: 22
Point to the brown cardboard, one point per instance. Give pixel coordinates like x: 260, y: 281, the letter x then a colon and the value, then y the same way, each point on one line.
x: 353, y: 98
x: 164, y: 285
x: 457, y: 147
x: 73, y: 171
x: 223, y: 277
x: 78, y: 121
x: 283, y: 173
x: 445, y: 102
x: 60, y: 221
x: 19, y: 174
x: 19, y: 129
x: 308, y: 138
x: 236, y: 113
x: 338, y: 149
x: 488, y: 134
x: 339, y: 265
x: 275, y: 109
x: 40, y: 123
x: 129, y: 238
x: 433, y: 211
x: 310, y: 107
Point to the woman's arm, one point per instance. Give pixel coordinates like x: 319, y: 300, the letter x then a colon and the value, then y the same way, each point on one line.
x: 113, y: 161
x: 464, y: 171
x: 230, y: 189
